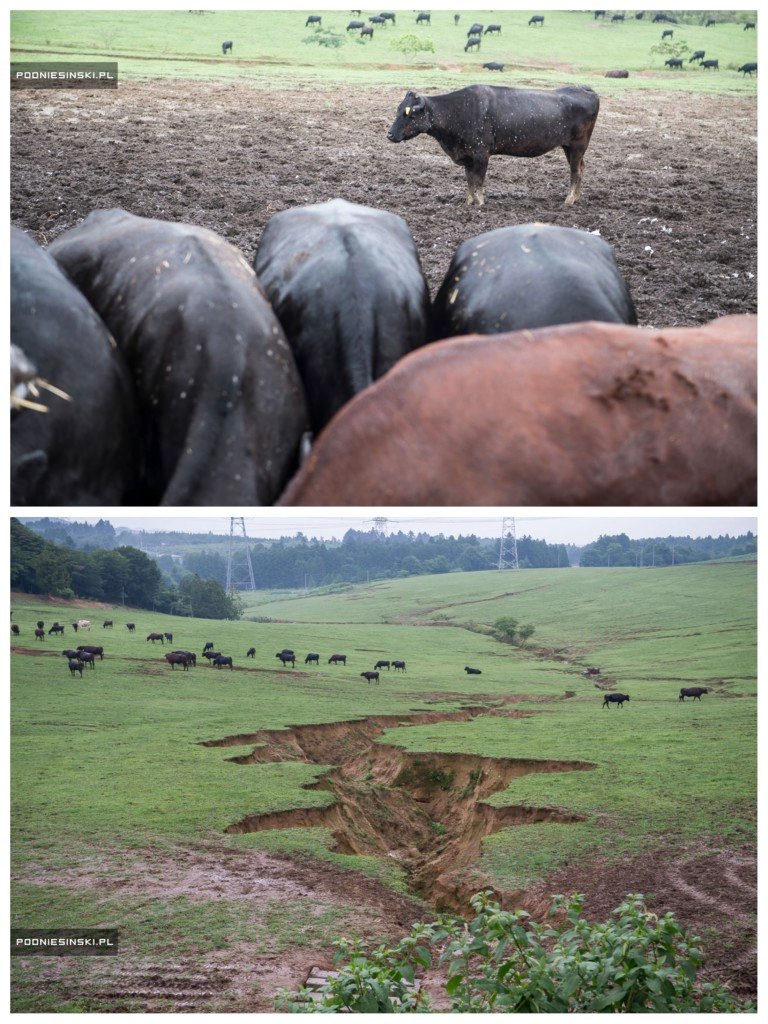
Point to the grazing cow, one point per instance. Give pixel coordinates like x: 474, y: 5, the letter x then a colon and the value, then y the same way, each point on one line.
x: 131, y: 627
x: 336, y: 658
x: 493, y: 65
x: 156, y: 636
x: 697, y: 55
x: 599, y: 14
x: 382, y: 664
x: 667, y: 33
x: 213, y: 373
x: 90, y: 649
x: 84, y: 624
x: 472, y: 43
x: 693, y: 691
x: 660, y: 16
x: 208, y: 647
x: 714, y: 64
x: 313, y: 19
x: 287, y: 658
x: 479, y: 121
x: 388, y: 16
x: 617, y: 17
x: 748, y: 69
x: 107, y: 624
x: 377, y: 20
x: 456, y: 19
x: 168, y: 637
x: 251, y: 652
x: 221, y: 661
x: 366, y: 31
x: 640, y: 15
x: 575, y: 273
x: 492, y: 30
x: 75, y: 665
x: 475, y: 30
x: 748, y: 24
x: 537, y: 19
x: 424, y: 18
x: 39, y: 634
x: 40, y: 624
x: 602, y: 414
x: 709, y: 22
x: 354, y: 25
x: 87, y: 658
x: 15, y: 629
x: 71, y: 654
x: 399, y: 666
x: 226, y: 46
x: 211, y: 655
x: 312, y: 658
x: 75, y: 626
x: 56, y: 628
x: 617, y: 74
x: 189, y: 655
x: 178, y: 659
x: 674, y: 62
x: 347, y: 286
x: 472, y: 671
x: 614, y: 698
x: 64, y: 456
x: 371, y: 677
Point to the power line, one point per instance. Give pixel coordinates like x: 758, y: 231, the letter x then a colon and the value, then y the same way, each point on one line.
x: 239, y: 566
x: 508, y: 545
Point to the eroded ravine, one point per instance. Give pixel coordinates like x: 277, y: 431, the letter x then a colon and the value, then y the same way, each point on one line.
x: 426, y: 810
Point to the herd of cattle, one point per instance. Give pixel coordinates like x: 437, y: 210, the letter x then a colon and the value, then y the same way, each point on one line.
x: 84, y: 656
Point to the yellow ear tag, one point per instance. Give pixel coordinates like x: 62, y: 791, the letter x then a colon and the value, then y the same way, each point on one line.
x: 407, y: 111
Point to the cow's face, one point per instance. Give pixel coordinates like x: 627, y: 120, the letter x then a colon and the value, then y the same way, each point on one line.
x: 412, y: 119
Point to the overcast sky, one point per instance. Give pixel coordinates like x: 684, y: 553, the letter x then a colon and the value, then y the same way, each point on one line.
x: 484, y: 522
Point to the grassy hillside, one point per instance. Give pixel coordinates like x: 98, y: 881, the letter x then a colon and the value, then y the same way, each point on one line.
x: 113, y: 762
x: 272, y: 48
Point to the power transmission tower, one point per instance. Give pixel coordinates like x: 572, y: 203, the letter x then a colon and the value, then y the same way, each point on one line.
x: 239, y: 567
x: 508, y: 545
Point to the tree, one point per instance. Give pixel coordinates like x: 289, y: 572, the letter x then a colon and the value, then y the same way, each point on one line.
x: 525, y: 633
x: 52, y: 573
x: 410, y: 44
x: 505, y: 629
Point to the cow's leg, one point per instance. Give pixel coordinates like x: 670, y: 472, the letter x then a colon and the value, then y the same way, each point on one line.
x: 475, y: 169
x: 575, y: 157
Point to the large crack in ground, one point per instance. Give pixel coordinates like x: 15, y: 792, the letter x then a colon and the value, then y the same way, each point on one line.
x: 428, y: 811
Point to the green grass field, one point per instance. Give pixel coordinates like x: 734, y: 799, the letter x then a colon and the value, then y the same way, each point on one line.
x: 271, y: 48
x: 111, y: 764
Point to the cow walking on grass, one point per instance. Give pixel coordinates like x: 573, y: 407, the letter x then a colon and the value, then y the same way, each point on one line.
x: 614, y: 698
x: 692, y: 691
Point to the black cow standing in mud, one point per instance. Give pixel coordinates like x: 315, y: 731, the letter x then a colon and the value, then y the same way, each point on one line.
x: 527, y: 276
x: 347, y: 286
x: 480, y: 121
x: 221, y: 408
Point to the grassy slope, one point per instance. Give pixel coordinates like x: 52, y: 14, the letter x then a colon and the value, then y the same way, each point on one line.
x: 270, y: 48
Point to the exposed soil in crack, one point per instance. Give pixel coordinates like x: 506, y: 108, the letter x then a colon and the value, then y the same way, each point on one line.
x: 428, y: 811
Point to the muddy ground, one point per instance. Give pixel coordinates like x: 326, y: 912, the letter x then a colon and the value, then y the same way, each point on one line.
x: 670, y: 178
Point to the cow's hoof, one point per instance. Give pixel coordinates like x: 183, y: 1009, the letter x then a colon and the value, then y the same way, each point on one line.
x: 570, y: 200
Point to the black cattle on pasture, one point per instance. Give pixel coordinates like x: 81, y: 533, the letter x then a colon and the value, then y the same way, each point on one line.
x: 335, y: 659
x: 617, y: 74
x: 709, y: 22
x: 479, y: 121
x: 208, y: 647
x: 211, y: 655
x: 423, y: 18
x: 40, y: 634
x: 40, y: 624
x: 748, y: 24
x: 377, y: 20
x: 370, y: 677
x: 312, y: 659
x: 492, y: 30
x: 617, y: 17
x: 713, y: 64
x: 456, y: 19
x: 382, y: 664
x: 388, y: 16
x: 65, y: 456
x: 472, y: 43
x: 354, y: 25
x: 221, y: 406
x: 91, y: 649
x: 189, y: 655
x: 88, y: 658
x: 221, y: 661
x: 674, y: 62
x: 226, y: 46
x: 640, y: 15
x: 472, y: 671
x: 131, y: 627
x: 56, y: 628
x: 668, y: 33
x: 75, y: 665
x: 251, y: 652
x: 399, y: 666
x: 537, y: 19
x: 600, y: 14
x: 748, y: 69
x: 476, y: 29
x: 347, y: 286
x: 575, y: 273
x: 366, y: 31
x: 168, y: 637
x: 692, y: 691
x: 696, y: 55
x: 614, y: 698
x: 15, y: 630
x: 107, y: 624
x: 314, y: 19
x: 493, y: 65
x: 287, y: 658
x: 75, y: 626
x: 156, y: 636
x: 71, y: 654
x: 660, y: 16
x: 178, y: 659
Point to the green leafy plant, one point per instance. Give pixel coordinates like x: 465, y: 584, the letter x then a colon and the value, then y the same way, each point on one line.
x: 410, y: 44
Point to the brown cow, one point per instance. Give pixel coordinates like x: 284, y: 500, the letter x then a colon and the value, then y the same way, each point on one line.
x: 578, y: 414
